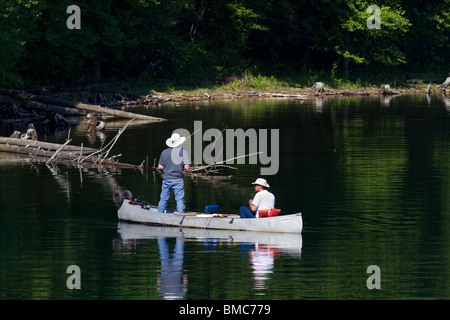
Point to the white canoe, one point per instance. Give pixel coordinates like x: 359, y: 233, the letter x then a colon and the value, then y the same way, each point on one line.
x: 143, y: 213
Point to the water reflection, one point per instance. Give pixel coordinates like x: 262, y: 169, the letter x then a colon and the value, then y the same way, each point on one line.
x: 446, y: 101
x: 172, y: 282
x: 371, y: 175
x: 262, y: 257
x: 260, y: 248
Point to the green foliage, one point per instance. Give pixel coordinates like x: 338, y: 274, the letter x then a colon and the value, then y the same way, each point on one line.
x: 178, y: 42
x: 364, y: 45
x: 255, y: 83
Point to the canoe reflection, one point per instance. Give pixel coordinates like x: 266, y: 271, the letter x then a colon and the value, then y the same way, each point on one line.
x: 260, y: 247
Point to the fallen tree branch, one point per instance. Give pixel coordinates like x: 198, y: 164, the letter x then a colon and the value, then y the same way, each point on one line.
x: 16, y: 94
x: 208, y: 168
x: 63, y: 155
x: 43, y: 145
x: 113, y: 141
x: 58, y: 151
x: 116, y: 138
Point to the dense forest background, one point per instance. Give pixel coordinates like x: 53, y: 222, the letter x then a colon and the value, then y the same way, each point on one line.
x: 188, y: 42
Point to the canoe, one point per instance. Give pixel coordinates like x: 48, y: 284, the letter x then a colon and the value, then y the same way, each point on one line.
x: 142, y: 212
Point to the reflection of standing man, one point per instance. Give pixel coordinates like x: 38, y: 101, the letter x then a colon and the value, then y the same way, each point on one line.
x: 171, y: 282
x: 173, y: 161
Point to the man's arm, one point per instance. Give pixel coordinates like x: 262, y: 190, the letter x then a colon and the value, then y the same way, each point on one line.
x: 252, y: 206
x: 186, y: 160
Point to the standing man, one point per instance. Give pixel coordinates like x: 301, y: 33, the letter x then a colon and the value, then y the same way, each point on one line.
x: 172, y: 162
x: 263, y: 200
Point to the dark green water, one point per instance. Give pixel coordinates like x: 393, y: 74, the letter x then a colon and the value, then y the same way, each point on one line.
x: 371, y: 177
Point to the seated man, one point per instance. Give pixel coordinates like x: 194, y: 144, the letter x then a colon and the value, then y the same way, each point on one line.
x: 263, y: 200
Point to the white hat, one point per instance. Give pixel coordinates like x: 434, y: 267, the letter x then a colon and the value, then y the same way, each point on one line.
x: 175, y: 140
x: 261, y: 182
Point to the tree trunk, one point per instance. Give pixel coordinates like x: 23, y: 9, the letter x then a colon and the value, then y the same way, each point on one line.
x: 44, y: 145
x: 97, y: 70
x: 67, y: 153
x: 445, y: 84
x: 386, y: 89
x: 82, y: 106
x: 345, y: 66
x: 318, y: 87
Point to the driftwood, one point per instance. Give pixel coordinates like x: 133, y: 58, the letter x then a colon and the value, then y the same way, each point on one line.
x: 318, y: 87
x: 33, y: 105
x: 12, y: 113
x: 30, y: 134
x: 142, y: 100
x: 356, y: 93
x: 38, y: 151
x: 16, y: 134
x: 94, y: 124
x: 58, y: 151
x: 429, y: 89
x: 215, y: 166
x: 62, y: 156
x: 386, y: 89
x: 102, y: 154
x: 290, y: 96
x: 445, y: 84
x: 206, y: 169
x: 209, y: 168
x: 43, y: 145
x: 20, y: 95
x: 258, y: 94
x: 64, y: 152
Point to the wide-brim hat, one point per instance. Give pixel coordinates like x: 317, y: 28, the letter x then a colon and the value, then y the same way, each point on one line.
x: 175, y: 140
x: 261, y: 182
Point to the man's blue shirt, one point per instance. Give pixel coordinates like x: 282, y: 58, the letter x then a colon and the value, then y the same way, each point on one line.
x: 173, y: 161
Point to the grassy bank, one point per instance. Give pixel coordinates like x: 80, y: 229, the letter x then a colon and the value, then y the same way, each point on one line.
x: 249, y: 84
x: 298, y: 84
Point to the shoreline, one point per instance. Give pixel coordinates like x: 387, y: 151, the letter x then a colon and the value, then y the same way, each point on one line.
x: 288, y: 93
x: 117, y: 94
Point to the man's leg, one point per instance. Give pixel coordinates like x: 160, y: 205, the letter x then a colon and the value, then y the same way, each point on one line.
x: 245, y: 212
x: 164, y: 197
x: 178, y: 189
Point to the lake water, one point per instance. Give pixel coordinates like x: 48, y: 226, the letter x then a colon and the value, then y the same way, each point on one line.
x: 370, y: 175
